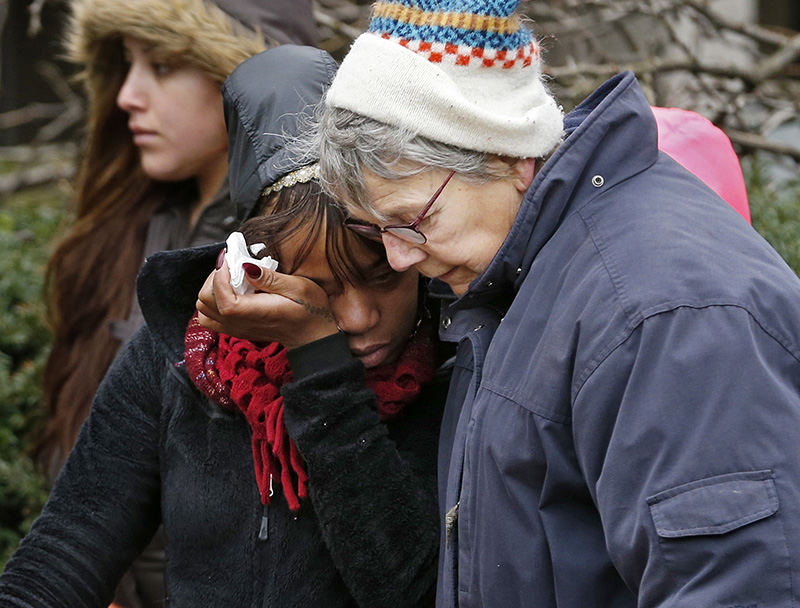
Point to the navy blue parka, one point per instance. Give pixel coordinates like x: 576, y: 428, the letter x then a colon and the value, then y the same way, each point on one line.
x: 623, y: 423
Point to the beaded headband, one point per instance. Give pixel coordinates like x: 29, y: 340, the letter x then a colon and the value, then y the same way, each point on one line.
x: 300, y: 176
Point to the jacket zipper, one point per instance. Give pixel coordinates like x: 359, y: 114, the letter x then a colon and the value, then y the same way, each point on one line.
x: 263, y: 531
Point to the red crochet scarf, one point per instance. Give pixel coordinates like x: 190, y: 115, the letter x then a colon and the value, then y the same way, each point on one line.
x: 240, y: 375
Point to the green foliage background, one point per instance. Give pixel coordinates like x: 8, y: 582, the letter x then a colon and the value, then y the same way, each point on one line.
x: 31, y: 220
x: 775, y: 209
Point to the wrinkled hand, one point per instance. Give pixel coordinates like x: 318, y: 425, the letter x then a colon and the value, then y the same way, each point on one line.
x: 287, y: 309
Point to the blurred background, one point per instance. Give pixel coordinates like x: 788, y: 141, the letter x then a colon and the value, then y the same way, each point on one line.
x: 736, y: 62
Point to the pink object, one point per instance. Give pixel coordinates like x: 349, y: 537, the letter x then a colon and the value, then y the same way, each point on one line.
x: 704, y: 149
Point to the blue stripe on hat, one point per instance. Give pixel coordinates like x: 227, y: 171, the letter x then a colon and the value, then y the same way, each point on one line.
x: 495, y: 8
x: 452, y: 35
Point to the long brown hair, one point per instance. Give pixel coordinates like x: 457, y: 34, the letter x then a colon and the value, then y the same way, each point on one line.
x: 90, y: 277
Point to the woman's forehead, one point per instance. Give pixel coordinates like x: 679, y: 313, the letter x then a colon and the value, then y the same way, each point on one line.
x: 392, y: 198
x: 131, y: 43
x: 150, y: 50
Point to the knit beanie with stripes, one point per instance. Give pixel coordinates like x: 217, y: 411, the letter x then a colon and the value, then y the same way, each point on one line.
x: 462, y: 72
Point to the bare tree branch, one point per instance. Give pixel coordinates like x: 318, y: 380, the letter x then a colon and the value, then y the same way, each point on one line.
x: 72, y: 112
x: 650, y: 66
x: 742, y: 76
x: 753, y: 141
x: 36, y: 176
x: 325, y: 18
x: 751, y: 30
x: 777, y: 62
x: 61, y: 114
x: 30, y: 113
x: 32, y: 154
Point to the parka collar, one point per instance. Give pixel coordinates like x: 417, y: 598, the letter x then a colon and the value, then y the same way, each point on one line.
x: 167, y: 287
x: 615, y: 139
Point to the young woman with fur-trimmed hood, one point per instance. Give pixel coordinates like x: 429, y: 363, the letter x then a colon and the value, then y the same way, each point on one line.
x: 152, y: 171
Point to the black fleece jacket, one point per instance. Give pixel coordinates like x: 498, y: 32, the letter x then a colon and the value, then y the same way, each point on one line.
x: 153, y: 448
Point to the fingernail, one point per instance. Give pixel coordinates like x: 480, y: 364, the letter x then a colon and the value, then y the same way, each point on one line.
x: 221, y: 257
x: 252, y: 270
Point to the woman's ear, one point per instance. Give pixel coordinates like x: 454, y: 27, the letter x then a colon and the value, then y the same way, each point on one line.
x: 522, y: 172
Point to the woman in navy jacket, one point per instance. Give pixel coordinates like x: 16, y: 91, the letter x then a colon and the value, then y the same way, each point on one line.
x: 622, y: 423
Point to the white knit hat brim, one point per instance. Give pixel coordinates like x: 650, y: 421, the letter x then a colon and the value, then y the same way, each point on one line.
x: 500, y: 111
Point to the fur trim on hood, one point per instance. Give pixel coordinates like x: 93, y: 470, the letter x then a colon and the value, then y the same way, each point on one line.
x: 196, y: 31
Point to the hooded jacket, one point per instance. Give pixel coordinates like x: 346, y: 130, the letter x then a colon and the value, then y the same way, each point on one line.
x: 154, y: 449
x: 622, y: 424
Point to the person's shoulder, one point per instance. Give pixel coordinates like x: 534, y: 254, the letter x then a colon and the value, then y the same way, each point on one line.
x: 140, y: 362
x: 666, y: 238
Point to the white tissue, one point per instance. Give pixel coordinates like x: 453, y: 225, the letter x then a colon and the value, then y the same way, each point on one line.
x: 237, y: 255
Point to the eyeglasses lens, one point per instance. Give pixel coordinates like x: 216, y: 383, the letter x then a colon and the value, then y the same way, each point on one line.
x: 370, y: 231
x: 407, y: 234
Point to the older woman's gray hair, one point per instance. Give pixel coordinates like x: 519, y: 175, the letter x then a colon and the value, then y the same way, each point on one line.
x: 348, y: 143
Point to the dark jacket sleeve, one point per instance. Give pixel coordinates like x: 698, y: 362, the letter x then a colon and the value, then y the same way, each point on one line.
x: 104, y: 506
x: 688, y: 436
x: 372, y: 485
